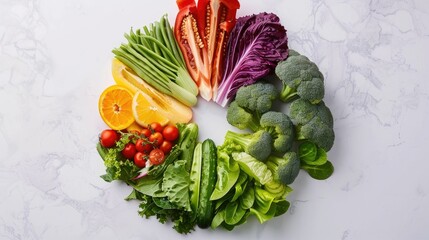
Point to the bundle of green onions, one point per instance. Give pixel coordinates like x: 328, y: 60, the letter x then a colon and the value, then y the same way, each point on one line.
x: 154, y: 55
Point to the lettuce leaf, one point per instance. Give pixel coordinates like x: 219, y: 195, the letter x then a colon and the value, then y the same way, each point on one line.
x: 253, y: 167
x: 117, y: 167
x: 175, y: 184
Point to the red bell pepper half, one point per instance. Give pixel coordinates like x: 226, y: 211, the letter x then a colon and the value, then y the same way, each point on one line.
x: 202, y: 33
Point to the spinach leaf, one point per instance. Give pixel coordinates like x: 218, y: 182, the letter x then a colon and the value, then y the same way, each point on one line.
x: 310, y: 154
x: 228, y: 172
x: 281, y: 207
x: 240, y: 185
x: 221, y: 203
x: 248, y: 198
x: 321, y: 158
x: 234, y: 213
x: 218, y: 219
x: 307, y: 151
x: 321, y: 172
x: 242, y: 221
x: 264, y: 216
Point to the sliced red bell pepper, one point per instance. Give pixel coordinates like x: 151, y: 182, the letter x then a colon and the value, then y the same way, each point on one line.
x: 216, y: 19
x: 217, y: 64
x: 193, y: 47
x: 202, y: 33
x: 211, y: 13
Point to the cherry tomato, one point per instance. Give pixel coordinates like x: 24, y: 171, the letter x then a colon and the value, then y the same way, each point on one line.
x: 156, y: 138
x: 146, y: 132
x: 166, y: 146
x: 143, y: 146
x: 170, y: 133
x: 140, y: 159
x: 156, y: 156
x: 129, y: 151
x: 108, y: 138
x: 156, y: 127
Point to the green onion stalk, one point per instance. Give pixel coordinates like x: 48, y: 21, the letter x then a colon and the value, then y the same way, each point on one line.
x: 154, y: 55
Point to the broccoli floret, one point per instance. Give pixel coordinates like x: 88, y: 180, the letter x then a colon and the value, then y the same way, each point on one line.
x: 241, y: 118
x: 301, y: 78
x: 281, y: 129
x: 313, y: 122
x: 257, y: 145
x: 285, y: 169
x: 258, y: 97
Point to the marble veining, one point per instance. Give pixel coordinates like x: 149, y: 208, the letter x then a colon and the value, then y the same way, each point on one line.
x: 54, y: 62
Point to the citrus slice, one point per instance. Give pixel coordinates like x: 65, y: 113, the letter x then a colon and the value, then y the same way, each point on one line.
x: 115, y: 107
x: 147, y: 111
x: 174, y: 110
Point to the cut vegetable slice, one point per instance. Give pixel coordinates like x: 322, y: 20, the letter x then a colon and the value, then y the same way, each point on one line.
x: 115, y: 109
x: 146, y: 110
x: 216, y: 19
x: 192, y: 45
x: 176, y: 111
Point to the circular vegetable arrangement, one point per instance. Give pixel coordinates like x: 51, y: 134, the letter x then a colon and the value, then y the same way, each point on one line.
x: 153, y: 146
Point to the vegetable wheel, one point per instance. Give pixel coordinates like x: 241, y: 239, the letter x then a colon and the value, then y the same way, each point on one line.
x: 272, y: 95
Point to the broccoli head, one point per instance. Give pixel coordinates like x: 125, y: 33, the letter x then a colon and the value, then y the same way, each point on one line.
x: 281, y: 129
x: 242, y: 118
x: 313, y: 122
x: 257, y: 145
x: 301, y: 78
x: 285, y: 169
x: 258, y: 97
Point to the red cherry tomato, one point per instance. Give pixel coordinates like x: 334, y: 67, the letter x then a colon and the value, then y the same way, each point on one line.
x: 108, y: 138
x: 129, y: 151
x: 140, y: 159
x: 156, y: 127
x: 166, y: 146
x: 156, y: 156
x: 146, y: 132
x: 170, y: 132
x: 156, y: 138
x: 143, y: 146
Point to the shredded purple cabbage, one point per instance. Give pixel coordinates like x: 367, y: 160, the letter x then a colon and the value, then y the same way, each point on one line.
x: 256, y: 44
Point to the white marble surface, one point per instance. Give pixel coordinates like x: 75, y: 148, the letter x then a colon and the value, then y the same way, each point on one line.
x: 54, y: 63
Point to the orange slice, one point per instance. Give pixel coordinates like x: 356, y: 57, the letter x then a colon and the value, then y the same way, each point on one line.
x: 174, y: 110
x: 115, y: 107
x: 147, y: 111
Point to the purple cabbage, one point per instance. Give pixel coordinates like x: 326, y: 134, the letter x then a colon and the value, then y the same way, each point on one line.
x: 256, y: 44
